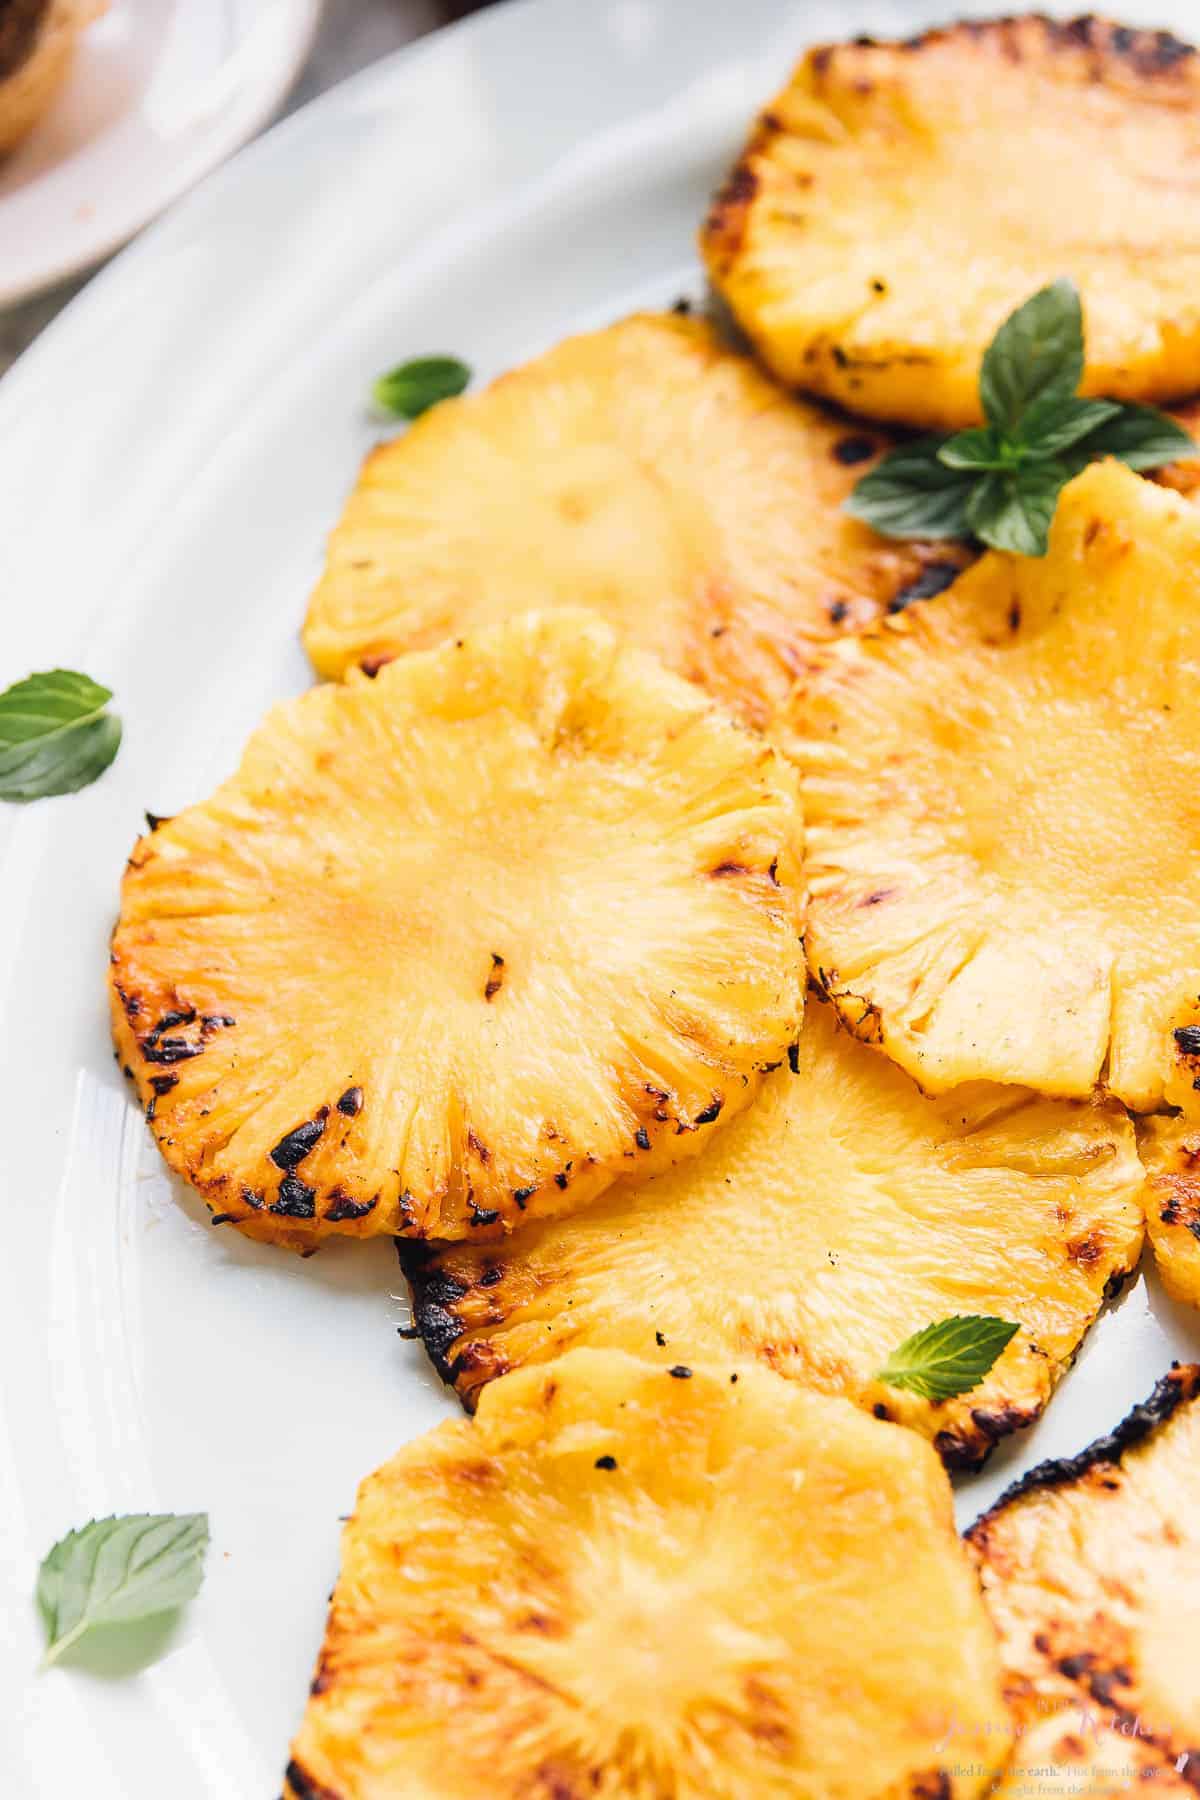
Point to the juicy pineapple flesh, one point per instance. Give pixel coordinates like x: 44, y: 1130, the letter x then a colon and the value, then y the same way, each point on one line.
x: 838, y: 1215
x: 623, y: 1583
x: 1002, y: 794
x: 646, y: 472
x: 897, y: 201
x: 1091, y: 1571
x: 460, y: 945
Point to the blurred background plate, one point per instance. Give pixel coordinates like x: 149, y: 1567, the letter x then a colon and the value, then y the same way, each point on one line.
x: 161, y: 91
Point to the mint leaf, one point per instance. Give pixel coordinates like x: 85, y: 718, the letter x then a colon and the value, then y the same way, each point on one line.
x: 413, y: 387
x: 55, y: 735
x: 115, y: 1571
x: 948, y: 1358
x: 1140, y: 436
x: 1014, y: 511
x: 912, y: 494
x: 983, y: 448
x: 1050, y: 427
x: 1037, y: 355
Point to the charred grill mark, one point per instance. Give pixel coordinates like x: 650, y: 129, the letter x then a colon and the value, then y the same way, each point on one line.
x: 162, y: 1084
x: 711, y: 1112
x: 1182, y: 1207
x: 223, y: 1218
x: 252, y: 1200
x: 351, y: 1102
x: 1014, y: 615
x: 852, y: 450
x: 154, y: 820
x: 934, y: 578
x: 495, y: 980
x: 878, y: 897
x: 163, y: 1044
x: 642, y: 1138
x: 1187, y: 1040
x: 304, y: 1787
x: 967, y: 1447
x: 730, y: 868
x: 341, y: 1206
x: 476, y: 1145
x: 838, y: 612
x: 292, y: 1149
x: 794, y: 1058
x: 563, y: 1177
x: 1182, y: 1383
x: 296, y: 1201
x: 435, y: 1294
x: 680, y: 1371
x: 1087, y: 1249
x: 606, y: 1462
x: 371, y: 665
x: 523, y: 1195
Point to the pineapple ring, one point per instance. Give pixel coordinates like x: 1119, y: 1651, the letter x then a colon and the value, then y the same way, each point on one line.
x: 665, y: 484
x: 616, y: 1583
x: 898, y: 200
x: 458, y: 946
x: 1002, y: 791
x: 838, y: 1215
x: 1090, y: 1571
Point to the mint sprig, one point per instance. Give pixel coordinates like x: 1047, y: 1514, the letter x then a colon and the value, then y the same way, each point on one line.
x: 948, y: 1358
x: 116, y: 1571
x: 1000, y: 482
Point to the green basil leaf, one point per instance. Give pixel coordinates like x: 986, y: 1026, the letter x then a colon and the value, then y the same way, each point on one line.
x: 911, y: 494
x: 981, y: 449
x: 948, y: 1358
x: 1051, y: 426
x: 1014, y: 511
x: 1141, y: 436
x: 1037, y: 354
x: 413, y: 387
x: 55, y: 735
x: 116, y: 1571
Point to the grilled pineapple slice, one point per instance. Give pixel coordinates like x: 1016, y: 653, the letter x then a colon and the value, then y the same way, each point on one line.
x: 841, y: 1213
x: 897, y: 201
x: 458, y: 946
x: 1091, y: 1571
x: 1003, y: 807
x: 618, y: 1583
x: 645, y: 471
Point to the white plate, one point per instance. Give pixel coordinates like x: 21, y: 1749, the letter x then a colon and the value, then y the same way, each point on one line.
x: 172, y: 453
x: 161, y: 91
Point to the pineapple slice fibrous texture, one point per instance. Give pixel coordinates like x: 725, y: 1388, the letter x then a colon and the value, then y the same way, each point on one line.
x: 1091, y: 1571
x: 839, y: 1214
x: 897, y: 201
x: 648, y: 472
x: 1002, y: 792
x: 460, y: 945
x: 628, y: 1582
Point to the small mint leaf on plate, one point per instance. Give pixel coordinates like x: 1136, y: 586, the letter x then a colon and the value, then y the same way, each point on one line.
x: 55, y: 735
x: 119, y: 1570
x: 948, y: 1358
x: 413, y: 387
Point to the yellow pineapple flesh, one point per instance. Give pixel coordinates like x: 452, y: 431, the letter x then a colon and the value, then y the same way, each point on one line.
x: 1002, y: 792
x: 621, y: 1583
x: 458, y: 946
x: 838, y: 1215
x: 647, y: 472
x: 1091, y: 1571
x: 898, y: 200
x: 1169, y: 1143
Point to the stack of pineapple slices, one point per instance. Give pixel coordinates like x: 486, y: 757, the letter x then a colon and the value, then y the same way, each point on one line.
x: 494, y: 945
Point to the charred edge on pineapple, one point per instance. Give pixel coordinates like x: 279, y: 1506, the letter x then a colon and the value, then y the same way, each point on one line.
x: 495, y: 980
x: 341, y: 1206
x: 1182, y: 1383
x: 967, y: 1447
x: 434, y: 1296
x: 302, y: 1786
x: 351, y: 1103
x: 1147, y: 52
x: 1182, y: 1205
x: 934, y: 578
x: 292, y: 1148
x: 164, y: 1043
x: 296, y: 1201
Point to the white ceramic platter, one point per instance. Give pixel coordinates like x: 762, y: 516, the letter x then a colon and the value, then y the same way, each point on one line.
x: 160, y: 93
x: 172, y: 453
